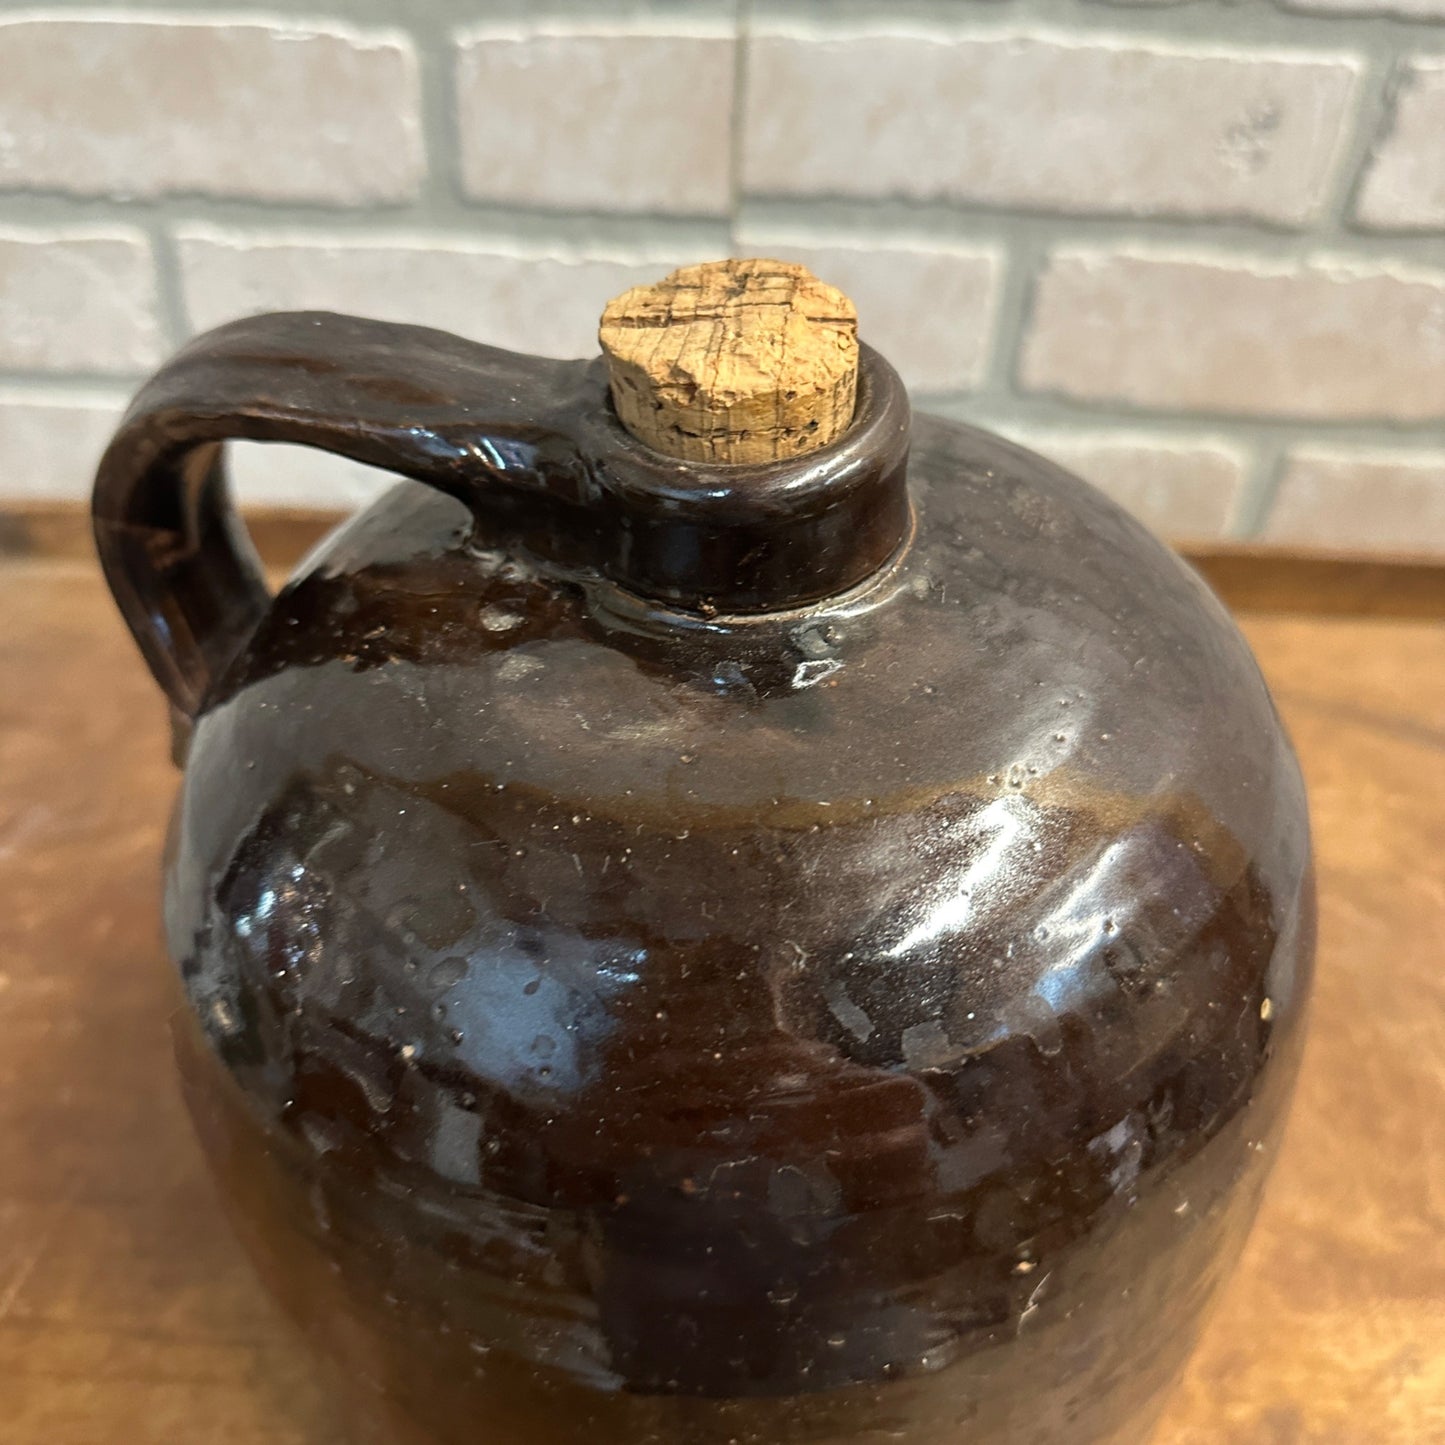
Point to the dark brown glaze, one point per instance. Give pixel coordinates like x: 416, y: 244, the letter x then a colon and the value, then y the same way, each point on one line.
x: 859, y: 1022
x: 531, y: 444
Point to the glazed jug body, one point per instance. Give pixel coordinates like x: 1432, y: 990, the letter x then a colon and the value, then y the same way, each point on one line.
x: 824, y: 975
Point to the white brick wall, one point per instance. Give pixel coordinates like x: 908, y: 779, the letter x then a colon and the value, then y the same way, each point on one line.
x: 98, y: 104
x: 1196, y: 254
x: 1187, y: 488
x: 1347, y: 499
x: 1405, y: 183
x: 1319, y: 339
x: 1103, y: 126
x: 77, y: 299
x: 526, y: 298
x: 1413, y: 9
x: 51, y: 440
x: 604, y: 139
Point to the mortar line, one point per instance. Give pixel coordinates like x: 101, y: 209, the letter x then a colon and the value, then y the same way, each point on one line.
x: 737, y: 135
x: 964, y: 222
x: 171, y: 306
x: 440, y: 120
x: 1217, y: 24
x: 101, y: 386
x: 444, y: 216
x: 1370, y: 112
x: 1055, y: 410
x: 1261, y: 487
x: 1012, y: 315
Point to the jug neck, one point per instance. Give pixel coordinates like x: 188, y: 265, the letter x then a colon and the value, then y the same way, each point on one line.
x: 753, y: 538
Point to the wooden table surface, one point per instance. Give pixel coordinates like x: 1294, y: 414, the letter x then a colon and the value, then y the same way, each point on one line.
x: 128, y: 1316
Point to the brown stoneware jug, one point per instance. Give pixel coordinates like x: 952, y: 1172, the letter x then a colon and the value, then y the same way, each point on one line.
x: 678, y: 953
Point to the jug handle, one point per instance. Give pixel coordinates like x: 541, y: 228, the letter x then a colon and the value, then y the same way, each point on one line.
x: 421, y: 403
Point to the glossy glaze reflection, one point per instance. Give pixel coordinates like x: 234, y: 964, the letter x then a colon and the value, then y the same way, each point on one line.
x: 865, y: 1021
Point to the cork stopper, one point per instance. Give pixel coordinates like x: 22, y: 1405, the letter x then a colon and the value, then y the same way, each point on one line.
x: 733, y: 361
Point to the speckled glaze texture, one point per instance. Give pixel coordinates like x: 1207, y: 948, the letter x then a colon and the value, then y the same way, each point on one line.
x: 858, y: 1010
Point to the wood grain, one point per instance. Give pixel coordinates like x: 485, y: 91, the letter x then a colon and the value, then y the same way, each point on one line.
x: 1251, y: 577
x: 1255, y: 577
x: 127, y: 1315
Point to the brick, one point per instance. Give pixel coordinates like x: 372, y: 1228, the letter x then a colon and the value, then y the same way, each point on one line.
x: 1411, y: 9
x: 1185, y: 489
x: 266, y: 475
x: 1355, y: 500
x: 77, y: 299
x: 599, y: 120
x: 1320, y: 338
x: 1404, y: 186
x: 51, y: 440
x: 929, y: 310
x: 108, y: 105
x: 1035, y: 121
x: 542, y: 301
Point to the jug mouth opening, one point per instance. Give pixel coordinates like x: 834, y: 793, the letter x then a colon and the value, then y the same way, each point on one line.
x: 759, y: 537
